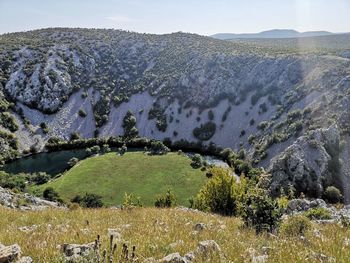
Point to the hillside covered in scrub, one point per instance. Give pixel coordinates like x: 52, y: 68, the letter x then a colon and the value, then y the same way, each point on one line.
x: 286, y: 108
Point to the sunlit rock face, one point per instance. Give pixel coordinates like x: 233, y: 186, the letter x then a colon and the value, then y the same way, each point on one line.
x: 258, y: 97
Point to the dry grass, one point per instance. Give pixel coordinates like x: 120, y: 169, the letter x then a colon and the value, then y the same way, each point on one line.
x: 153, y: 230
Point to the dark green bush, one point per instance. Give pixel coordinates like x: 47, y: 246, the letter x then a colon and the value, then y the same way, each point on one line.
x: 158, y: 148
x: 205, y: 131
x: 333, y: 195
x: 261, y: 212
x: 88, y: 200
x: 197, y: 161
x: 82, y: 113
x: 51, y: 195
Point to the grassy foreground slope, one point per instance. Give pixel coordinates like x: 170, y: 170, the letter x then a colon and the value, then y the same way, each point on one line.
x: 154, y: 232
x: 111, y: 176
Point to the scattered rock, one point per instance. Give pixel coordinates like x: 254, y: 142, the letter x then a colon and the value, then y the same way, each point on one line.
x: 203, y: 249
x: 12, y: 253
x: 173, y: 258
x: 115, y: 233
x: 75, y: 252
x: 24, y: 201
x: 260, y: 259
x: 320, y: 257
x: 209, y: 246
x: 28, y: 229
x: 199, y: 227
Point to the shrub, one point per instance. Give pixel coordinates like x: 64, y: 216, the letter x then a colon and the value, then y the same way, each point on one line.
x: 73, y: 161
x: 131, y: 201
x: 263, y: 125
x: 197, y: 161
x: 217, y: 194
x: 122, y: 150
x: 82, y: 113
x: 333, y: 195
x: 51, y: 195
x: 297, y: 225
x: 88, y: 200
x: 318, y: 214
x: 261, y: 212
x: 44, y: 127
x: 106, y: 148
x: 165, y: 200
x: 40, y: 178
x: 158, y: 148
x: 74, y: 136
x: 95, y: 149
x: 205, y: 131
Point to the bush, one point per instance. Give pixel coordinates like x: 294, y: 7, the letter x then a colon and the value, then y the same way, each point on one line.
x: 318, y: 214
x: 333, y: 195
x: 165, y: 200
x: 131, y: 201
x: 261, y: 212
x: 73, y: 161
x: 205, y: 131
x: 88, y: 200
x: 82, y: 113
x: 217, y: 194
x: 197, y: 161
x: 297, y: 225
x: 40, y: 178
x: 122, y: 150
x: 74, y: 136
x: 158, y: 148
x: 51, y: 195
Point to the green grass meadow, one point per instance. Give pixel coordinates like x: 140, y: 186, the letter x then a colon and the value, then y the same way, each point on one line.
x: 111, y: 176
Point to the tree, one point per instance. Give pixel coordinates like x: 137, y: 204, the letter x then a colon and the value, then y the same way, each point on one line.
x: 129, y: 125
x: 158, y: 148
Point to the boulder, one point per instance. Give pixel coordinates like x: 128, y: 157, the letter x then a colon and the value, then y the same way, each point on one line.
x: 208, y: 246
x: 77, y: 252
x: 12, y: 253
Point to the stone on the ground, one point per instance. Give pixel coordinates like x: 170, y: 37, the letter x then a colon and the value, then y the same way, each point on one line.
x: 173, y: 258
x: 12, y: 253
x: 76, y: 252
x: 199, y: 227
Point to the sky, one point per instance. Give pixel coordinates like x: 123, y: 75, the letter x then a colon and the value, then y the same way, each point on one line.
x: 205, y: 17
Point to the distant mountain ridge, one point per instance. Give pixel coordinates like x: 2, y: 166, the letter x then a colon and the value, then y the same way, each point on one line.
x: 275, y: 33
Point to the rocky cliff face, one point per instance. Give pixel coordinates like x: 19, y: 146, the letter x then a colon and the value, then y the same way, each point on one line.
x: 58, y: 81
x: 309, y: 165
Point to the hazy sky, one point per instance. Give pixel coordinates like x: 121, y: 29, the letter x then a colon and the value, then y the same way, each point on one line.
x: 163, y: 16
